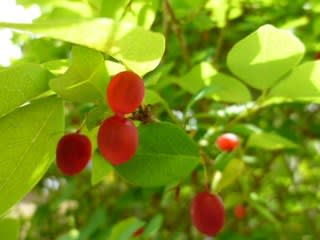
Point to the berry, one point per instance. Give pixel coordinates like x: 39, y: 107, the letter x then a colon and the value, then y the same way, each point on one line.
x: 227, y: 142
x: 125, y: 92
x: 207, y: 213
x: 239, y: 211
x: 317, y: 56
x: 138, y: 232
x: 117, y: 139
x: 73, y: 153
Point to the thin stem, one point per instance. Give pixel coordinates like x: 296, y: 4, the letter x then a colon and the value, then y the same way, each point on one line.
x: 178, y: 31
x: 205, y: 171
x: 82, y: 124
x: 127, y: 7
x: 220, y: 40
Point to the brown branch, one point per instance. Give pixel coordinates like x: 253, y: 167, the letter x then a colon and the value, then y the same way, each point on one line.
x: 178, y: 31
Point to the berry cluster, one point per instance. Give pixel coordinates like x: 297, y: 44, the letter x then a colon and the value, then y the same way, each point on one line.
x: 117, y: 136
x: 118, y: 142
x: 207, y: 210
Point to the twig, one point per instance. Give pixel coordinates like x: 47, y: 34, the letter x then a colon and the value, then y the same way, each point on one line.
x: 178, y: 31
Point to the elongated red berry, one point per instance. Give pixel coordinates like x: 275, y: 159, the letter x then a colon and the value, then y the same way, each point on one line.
x: 73, y: 153
x: 125, y: 92
x: 117, y: 139
x: 227, y: 142
x: 239, y: 211
x: 207, y: 213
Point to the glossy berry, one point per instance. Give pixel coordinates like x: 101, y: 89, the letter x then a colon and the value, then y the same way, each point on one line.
x: 125, y: 92
x: 227, y: 142
x: 117, y: 139
x: 239, y: 211
x: 207, y: 213
x: 138, y: 233
x: 73, y: 153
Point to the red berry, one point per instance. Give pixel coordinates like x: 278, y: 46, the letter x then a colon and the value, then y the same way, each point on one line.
x: 125, y: 92
x: 317, y: 56
x: 207, y: 213
x: 138, y: 232
x: 240, y: 211
x: 117, y: 139
x: 227, y: 142
x: 73, y: 153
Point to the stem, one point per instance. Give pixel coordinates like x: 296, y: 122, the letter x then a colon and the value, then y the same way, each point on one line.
x: 82, y: 124
x: 220, y: 40
x: 205, y: 171
x: 178, y: 31
x: 219, y: 47
x: 127, y: 7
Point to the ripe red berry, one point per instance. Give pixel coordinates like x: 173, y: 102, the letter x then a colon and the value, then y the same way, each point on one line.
x: 117, y: 139
x: 227, y: 142
x: 239, y: 211
x: 207, y: 213
x: 125, y: 92
x: 138, y: 232
x: 317, y: 56
x: 73, y: 153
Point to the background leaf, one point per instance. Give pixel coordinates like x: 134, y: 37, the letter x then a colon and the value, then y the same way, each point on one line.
x: 140, y: 50
x: 302, y: 84
x: 227, y: 89
x: 85, y: 80
x: 9, y: 228
x: 165, y: 154
x: 265, y: 55
x: 100, y: 168
x: 230, y: 174
x: 197, y: 78
x: 153, y: 226
x: 20, y: 84
x: 27, y: 149
x: 124, y: 229
x: 269, y: 141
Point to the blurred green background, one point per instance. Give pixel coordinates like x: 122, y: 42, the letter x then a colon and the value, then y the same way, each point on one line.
x: 279, y: 188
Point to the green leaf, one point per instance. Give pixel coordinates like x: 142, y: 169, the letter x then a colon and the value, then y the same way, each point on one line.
x: 20, y: 84
x: 138, y: 12
x: 264, y: 56
x: 302, y: 84
x: 96, y: 221
x: 165, y: 154
x: 140, y: 50
x: 96, y: 116
x: 153, y: 226
x: 9, y: 229
x: 73, y: 234
x: 113, y: 9
x: 100, y: 168
x: 113, y: 67
x: 197, y: 78
x: 86, y: 78
x: 266, y: 213
x: 124, y: 229
x: 230, y: 174
x: 269, y: 141
x: 152, y: 97
x: 57, y: 67
x: 28, y: 137
x: 227, y: 89
x: 222, y: 160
